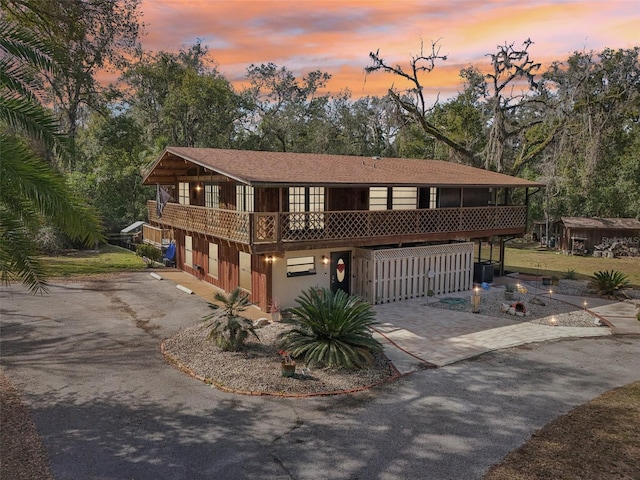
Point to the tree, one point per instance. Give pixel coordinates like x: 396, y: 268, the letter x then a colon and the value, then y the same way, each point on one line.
x: 182, y: 98
x: 111, y: 154
x: 495, y: 106
x: 413, y: 101
x: 513, y: 142
x: 201, y: 111
x: 85, y: 37
x: 286, y: 110
x: 595, y: 154
x: 367, y: 127
x: 30, y: 190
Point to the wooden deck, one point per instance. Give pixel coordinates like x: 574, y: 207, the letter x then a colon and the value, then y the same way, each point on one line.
x: 269, y: 231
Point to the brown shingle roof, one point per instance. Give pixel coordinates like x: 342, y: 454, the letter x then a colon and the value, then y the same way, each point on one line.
x: 602, y: 223
x: 278, y: 168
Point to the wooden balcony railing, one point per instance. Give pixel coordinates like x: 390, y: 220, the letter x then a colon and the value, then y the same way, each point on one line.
x: 228, y: 224
x: 156, y: 236
x: 268, y: 227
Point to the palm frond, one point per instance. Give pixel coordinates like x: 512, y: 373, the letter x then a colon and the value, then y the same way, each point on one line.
x: 331, y: 329
x: 24, y: 178
x: 18, y: 254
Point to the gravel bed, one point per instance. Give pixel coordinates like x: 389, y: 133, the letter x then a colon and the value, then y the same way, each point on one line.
x: 257, y: 367
x: 551, y: 311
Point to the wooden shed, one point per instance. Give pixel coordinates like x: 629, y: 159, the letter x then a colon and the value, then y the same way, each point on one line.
x: 580, y: 235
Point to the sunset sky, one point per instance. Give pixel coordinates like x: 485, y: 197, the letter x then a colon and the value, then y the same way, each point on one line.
x: 336, y: 36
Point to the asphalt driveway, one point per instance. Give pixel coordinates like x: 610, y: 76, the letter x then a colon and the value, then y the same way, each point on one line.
x: 87, y: 360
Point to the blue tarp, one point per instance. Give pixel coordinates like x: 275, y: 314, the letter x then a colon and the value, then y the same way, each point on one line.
x: 170, y: 253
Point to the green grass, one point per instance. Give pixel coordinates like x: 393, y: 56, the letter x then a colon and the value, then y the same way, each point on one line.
x: 549, y: 262
x: 107, y: 259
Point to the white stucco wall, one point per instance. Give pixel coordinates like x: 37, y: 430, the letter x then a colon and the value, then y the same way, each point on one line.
x: 286, y: 289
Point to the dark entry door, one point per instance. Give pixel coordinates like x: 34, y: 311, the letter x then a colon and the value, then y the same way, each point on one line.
x: 341, y: 272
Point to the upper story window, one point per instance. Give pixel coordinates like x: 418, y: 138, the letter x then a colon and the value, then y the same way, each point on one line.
x: 306, y: 199
x: 212, y: 196
x: 433, y: 197
x: 404, y: 198
x: 183, y: 193
x: 378, y: 198
x: 244, y: 198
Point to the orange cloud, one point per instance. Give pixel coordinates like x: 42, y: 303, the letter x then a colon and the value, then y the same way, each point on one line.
x: 337, y: 36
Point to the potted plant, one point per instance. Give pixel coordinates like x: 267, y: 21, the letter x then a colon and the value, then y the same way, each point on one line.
x: 274, y: 308
x: 287, y: 365
x: 509, y: 290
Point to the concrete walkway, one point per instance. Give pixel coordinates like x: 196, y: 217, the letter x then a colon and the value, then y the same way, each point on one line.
x: 416, y: 336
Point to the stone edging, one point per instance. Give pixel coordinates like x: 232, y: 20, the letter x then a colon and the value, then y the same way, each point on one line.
x: 220, y: 386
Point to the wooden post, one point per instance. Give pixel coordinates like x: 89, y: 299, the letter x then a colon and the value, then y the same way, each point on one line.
x: 501, y: 271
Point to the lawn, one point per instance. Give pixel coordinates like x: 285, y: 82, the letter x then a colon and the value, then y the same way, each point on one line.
x: 596, y: 441
x: 529, y: 258
x: 107, y: 259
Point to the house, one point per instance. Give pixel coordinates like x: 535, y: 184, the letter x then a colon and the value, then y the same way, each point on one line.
x: 581, y: 235
x: 278, y: 223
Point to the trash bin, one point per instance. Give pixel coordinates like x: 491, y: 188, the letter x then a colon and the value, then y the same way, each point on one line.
x: 483, y: 272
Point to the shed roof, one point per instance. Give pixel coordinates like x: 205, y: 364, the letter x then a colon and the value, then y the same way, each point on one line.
x: 601, y: 223
x: 283, y: 168
x: 133, y: 226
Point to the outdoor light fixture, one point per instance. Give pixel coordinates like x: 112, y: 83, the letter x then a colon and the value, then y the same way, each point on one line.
x: 325, y: 260
x: 475, y: 300
x: 553, y: 322
x: 269, y: 259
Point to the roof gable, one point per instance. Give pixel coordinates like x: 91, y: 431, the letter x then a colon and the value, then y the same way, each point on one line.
x: 280, y: 168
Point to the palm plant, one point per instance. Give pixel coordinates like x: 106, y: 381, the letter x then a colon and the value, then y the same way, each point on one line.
x: 609, y: 283
x: 228, y: 328
x: 332, y: 330
x: 571, y: 274
x: 31, y: 191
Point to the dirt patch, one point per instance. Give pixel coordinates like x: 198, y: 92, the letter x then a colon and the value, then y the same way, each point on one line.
x: 596, y: 441
x: 22, y: 453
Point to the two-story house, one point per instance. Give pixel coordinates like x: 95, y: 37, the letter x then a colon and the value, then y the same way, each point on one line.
x: 277, y: 223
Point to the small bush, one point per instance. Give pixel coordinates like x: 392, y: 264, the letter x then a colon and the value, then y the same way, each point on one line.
x: 149, y: 251
x: 609, y: 283
x: 228, y: 329
x: 331, y: 330
x: 571, y: 274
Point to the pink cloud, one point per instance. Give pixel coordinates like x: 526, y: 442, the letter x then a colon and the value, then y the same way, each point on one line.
x: 337, y: 36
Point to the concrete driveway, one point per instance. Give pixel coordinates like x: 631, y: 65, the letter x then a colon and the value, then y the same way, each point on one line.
x: 87, y: 360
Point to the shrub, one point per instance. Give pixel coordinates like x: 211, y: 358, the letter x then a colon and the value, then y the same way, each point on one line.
x: 149, y: 251
x: 571, y: 274
x: 228, y: 329
x: 610, y: 283
x: 49, y: 240
x: 331, y: 330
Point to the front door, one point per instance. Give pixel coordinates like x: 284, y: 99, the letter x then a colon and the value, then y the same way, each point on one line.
x: 341, y: 272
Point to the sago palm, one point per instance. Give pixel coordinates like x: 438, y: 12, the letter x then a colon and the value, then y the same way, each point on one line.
x: 609, y: 283
x: 31, y: 191
x: 227, y: 328
x: 331, y: 329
